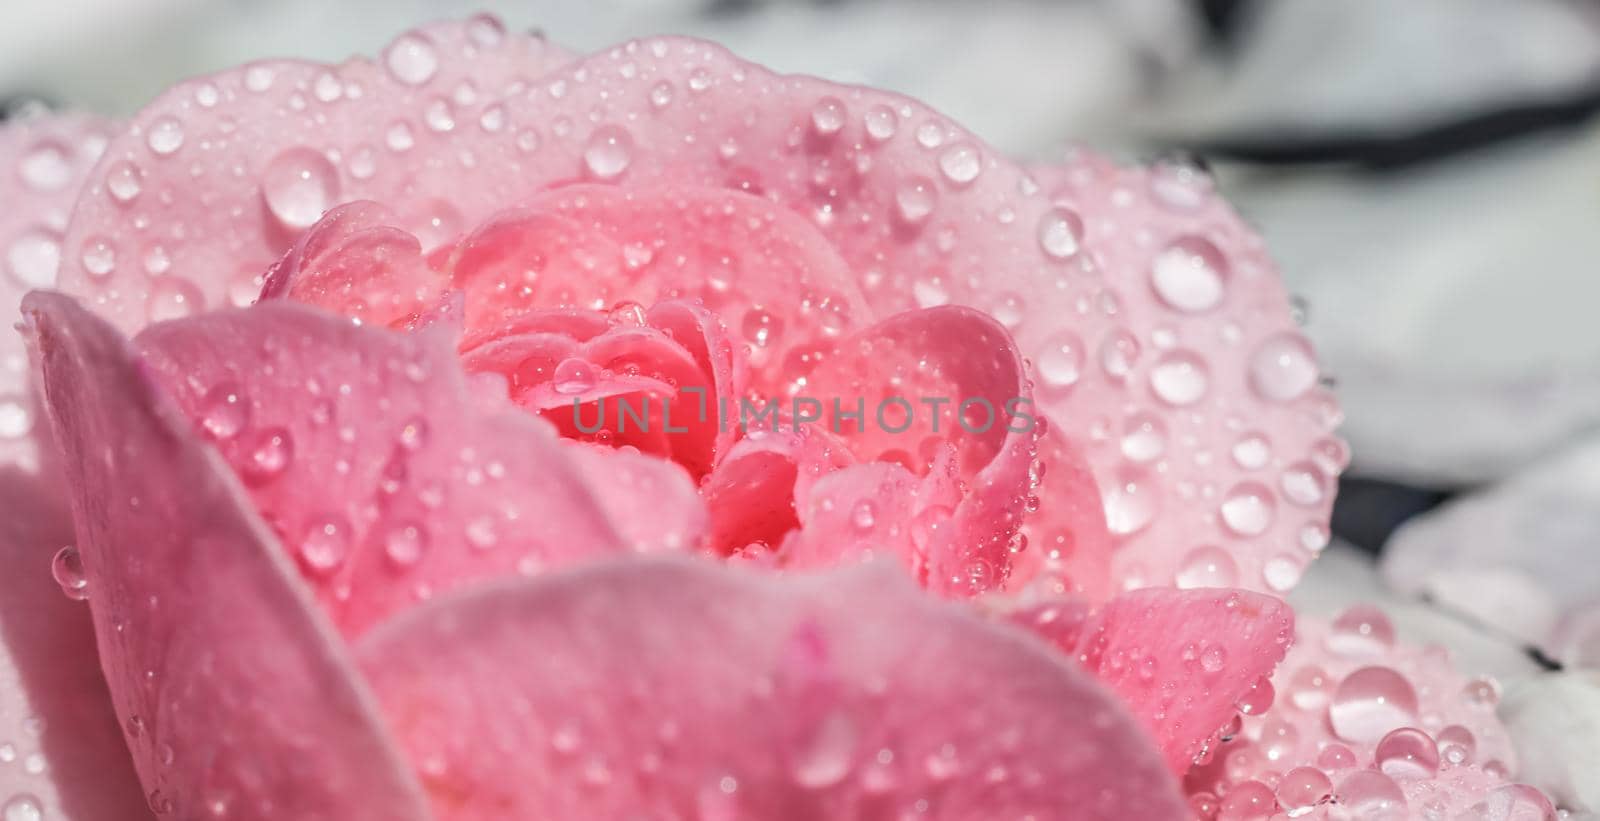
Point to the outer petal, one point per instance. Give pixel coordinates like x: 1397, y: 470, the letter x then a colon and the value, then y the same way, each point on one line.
x: 1206, y: 426
x: 366, y: 452
x: 220, y: 173
x: 194, y: 607
x: 748, y: 696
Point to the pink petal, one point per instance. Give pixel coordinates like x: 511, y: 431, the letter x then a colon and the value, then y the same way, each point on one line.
x: 45, y: 159
x: 385, y: 478
x: 354, y: 262
x: 1202, y: 379
x: 192, y: 611
x: 747, y: 695
x: 1067, y: 548
x: 308, y: 137
x: 1343, y: 692
x: 879, y: 508
x: 1184, y: 660
x: 756, y: 492
x: 936, y: 377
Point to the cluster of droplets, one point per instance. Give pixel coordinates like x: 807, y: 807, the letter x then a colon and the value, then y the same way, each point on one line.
x: 21, y: 760
x: 1365, y: 728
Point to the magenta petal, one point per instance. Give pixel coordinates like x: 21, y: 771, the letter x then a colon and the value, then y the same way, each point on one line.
x: 191, y: 611
x: 681, y: 689
x: 386, y: 479
x: 757, y: 492
x: 1184, y: 660
x: 223, y: 172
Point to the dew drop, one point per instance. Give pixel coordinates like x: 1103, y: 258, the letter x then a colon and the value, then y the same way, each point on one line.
x: 67, y: 568
x: 1407, y: 754
x: 1060, y: 363
x: 1144, y: 438
x: 1207, y: 566
x: 829, y: 755
x: 1302, y: 789
x: 33, y: 258
x: 1370, y: 702
x: 1252, y: 451
x: 915, y: 199
x: 268, y: 455
x: 1190, y: 275
x: 1060, y: 233
x: 1371, y: 796
x: 1362, y: 630
x: 124, y: 181
x: 22, y: 807
x: 46, y: 167
x: 1248, y: 801
x: 325, y: 544
x: 1248, y: 509
x: 299, y: 186
x: 15, y: 417
x: 827, y: 116
x: 165, y: 136
x: 961, y: 163
x: 761, y: 328
x: 881, y: 122
x: 172, y: 299
x: 1180, y: 378
x: 1130, y: 505
x: 863, y: 515
x: 1118, y: 353
x: 404, y: 544
x: 224, y: 413
x: 1283, y: 367
x: 412, y: 59
x: 608, y: 153
x: 399, y: 137
x: 573, y: 376
x: 1457, y: 745
x: 99, y: 256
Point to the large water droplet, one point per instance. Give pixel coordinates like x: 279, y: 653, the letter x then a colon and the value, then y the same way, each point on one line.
x: 961, y: 163
x: 1283, y: 367
x: 1370, y: 702
x: 1180, y: 378
x: 1371, y: 796
x: 1248, y: 509
x: 22, y: 807
x: 829, y: 755
x: 1362, y: 630
x: 412, y: 59
x: 1457, y: 745
x: 573, y: 376
x: 1302, y: 789
x: 608, y: 153
x: 1190, y: 275
x: 299, y: 185
x: 1060, y: 232
x: 165, y: 136
x: 1407, y: 753
x: 67, y: 568
x: 33, y: 258
x: 1207, y: 566
x: 1247, y: 801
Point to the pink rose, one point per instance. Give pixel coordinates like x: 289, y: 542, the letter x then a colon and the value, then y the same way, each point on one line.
x: 367, y: 543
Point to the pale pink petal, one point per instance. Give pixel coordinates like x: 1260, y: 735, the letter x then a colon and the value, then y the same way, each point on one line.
x: 878, y: 509
x: 1391, y: 731
x: 43, y: 162
x: 1184, y: 661
x: 354, y: 262
x: 1198, y: 403
x: 1067, y: 547
x: 195, y: 608
x: 680, y: 689
x: 385, y: 478
x: 220, y: 174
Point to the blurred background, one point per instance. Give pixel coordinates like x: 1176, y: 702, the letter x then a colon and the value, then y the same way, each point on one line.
x: 1427, y: 173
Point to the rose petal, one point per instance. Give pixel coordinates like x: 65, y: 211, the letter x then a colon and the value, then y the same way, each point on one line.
x: 385, y: 478
x: 44, y: 160
x: 1066, y: 547
x: 1342, y: 690
x: 354, y: 262
x: 194, y: 610
x: 756, y: 492
x: 1204, y: 381
x: 307, y: 137
x: 1184, y: 660
x: 747, y: 695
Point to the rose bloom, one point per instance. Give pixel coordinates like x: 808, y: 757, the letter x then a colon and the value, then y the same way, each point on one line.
x: 390, y: 402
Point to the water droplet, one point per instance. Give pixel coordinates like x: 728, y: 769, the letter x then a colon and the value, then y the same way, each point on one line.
x: 1180, y: 378
x: 573, y: 376
x: 1247, y: 801
x: 1207, y: 566
x: 881, y: 122
x: 172, y: 299
x: 1371, y: 796
x: 67, y: 568
x: 99, y: 256
x: 1457, y: 745
x: 299, y: 185
x: 1252, y: 451
x: 1517, y: 802
x: 404, y: 544
x: 1060, y: 232
x: 165, y: 136
x: 915, y: 199
x: 961, y: 163
x: 829, y: 755
x: 33, y: 258
x: 15, y: 417
x: 863, y: 515
x: 1482, y: 691
x: 1130, y: 505
x: 761, y: 327
x: 827, y: 116
x: 608, y: 152
x: 268, y: 455
x: 486, y: 30
x: 1118, y: 353
x: 1283, y: 367
x: 1302, y: 789
x: 325, y: 544
x: 124, y: 181
x: 1144, y: 438
x: 22, y: 807
x: 412, y: 59
x: 1060, y: 363
x: 1303, y: 484
x: 1362, y: 630
x: 1213, y: 658
x: 1190, y: 275
x: 1248, y: 509
x: 1370, y: 702
x: 225, y: 413
x: 1407, y: 753
x: 1282, y: 573
x: 46, y: 167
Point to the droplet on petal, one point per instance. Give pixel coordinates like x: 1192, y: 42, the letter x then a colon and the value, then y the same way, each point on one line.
x: 299, y: 185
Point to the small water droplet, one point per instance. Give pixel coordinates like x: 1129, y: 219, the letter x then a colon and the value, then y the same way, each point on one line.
x: 325, y: 544
x: 1283, y: 367
x: 864, y: 515
x: 46, y: 166
x: 412, y: 59
x: 1060, y: 232
x: 915, y: 199
x: 404, y: 543
x: 268, y: 455
x: 1060, y: 363
x: 1144, y: 439
x: 829, y: 755
x: 22, y: 807
x: 1247, y: 801
x: 1302, y: 789
x: 1130, y: 505
x: 608, y: 153
x: 33, y: 258
x: 761, y: 328
x: 1190, y: 275
x: 299, y: 185
x: 1207, y: 566
x: 165, y: 136
x: 827, y: 116
x: 961, y: 163
x: 1407, y: 754
x: 399, y: 136
x: 124, y: 181
x: 1362, y: 630
x: 881, y: 122
x: 98, y: 256
x: 172, y: 299
x: 67, y: 568
x: 1248, y: 509
x: 224, y: 413
x: 573, y: 376
x: 1180, y: 378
